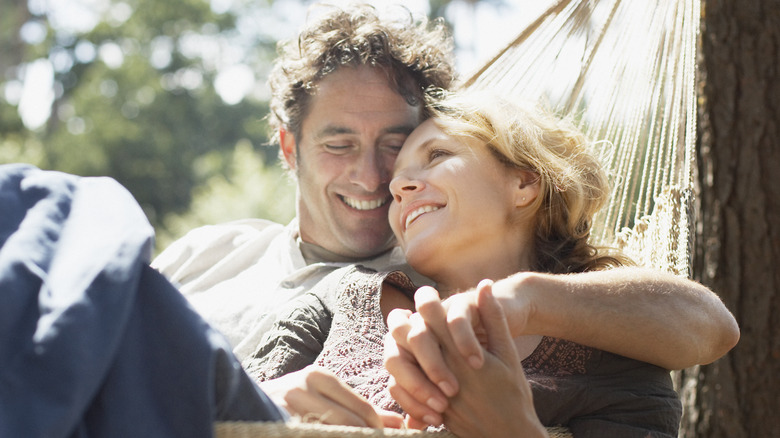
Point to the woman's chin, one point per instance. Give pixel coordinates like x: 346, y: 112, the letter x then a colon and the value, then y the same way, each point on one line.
x: 421, y: 260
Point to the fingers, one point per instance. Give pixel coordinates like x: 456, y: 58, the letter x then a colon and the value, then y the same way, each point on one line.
x: 406, y: 379
x: 398, y: 325
x: 427, y: 337
x: 462, y: 319
x: 420, y: 412
x: 348, y: 402
x: 390, y: 419
x: 413, y: 423
x: 316, y: 392
x: 499, y: 340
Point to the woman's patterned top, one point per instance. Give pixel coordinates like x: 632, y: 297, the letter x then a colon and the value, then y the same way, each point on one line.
x: 339, y: 326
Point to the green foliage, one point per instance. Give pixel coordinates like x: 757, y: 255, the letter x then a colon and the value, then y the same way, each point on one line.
x: 252, y: 189
x: 135, y: 100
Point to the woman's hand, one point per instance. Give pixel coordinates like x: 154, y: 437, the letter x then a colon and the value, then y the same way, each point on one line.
x: 420, y: 380
x: 424, y: 353
x: 317, y: 393
x: 496, y: 399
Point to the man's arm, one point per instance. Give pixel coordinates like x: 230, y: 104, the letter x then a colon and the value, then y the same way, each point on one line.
x: 639, y: 313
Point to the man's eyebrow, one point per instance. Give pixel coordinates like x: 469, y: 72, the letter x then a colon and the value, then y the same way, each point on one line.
x: 400, y: 129
x: 338, y: 129
x: 334, y: 130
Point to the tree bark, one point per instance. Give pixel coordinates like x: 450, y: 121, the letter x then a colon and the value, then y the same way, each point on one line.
x: 737, y: 248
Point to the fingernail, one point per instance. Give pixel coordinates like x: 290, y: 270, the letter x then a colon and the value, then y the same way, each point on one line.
x: 447, y: 389
x: 430, y: 419
x: 436, y: 404
x: 475, y: 362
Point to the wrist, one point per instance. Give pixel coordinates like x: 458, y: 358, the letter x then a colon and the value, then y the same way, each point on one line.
x: 519, y: 297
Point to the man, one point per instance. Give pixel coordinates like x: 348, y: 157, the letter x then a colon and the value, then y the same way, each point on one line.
x: 339, y: 131
x: 346, y: 93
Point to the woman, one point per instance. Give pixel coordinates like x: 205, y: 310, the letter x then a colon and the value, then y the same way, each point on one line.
x: 481, y: 191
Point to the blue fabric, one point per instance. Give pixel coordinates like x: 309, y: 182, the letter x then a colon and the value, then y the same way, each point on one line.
x: 93, y: 342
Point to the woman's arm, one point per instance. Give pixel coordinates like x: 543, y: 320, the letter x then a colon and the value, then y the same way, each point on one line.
x: 293, y: 342
x: 282, y: 365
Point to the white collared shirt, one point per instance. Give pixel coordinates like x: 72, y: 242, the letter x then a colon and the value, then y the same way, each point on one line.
x: 239, y: 274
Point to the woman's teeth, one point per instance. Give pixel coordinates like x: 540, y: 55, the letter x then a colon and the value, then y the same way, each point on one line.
x: 416, y: 213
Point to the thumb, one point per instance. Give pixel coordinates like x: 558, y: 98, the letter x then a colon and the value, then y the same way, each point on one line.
x: 390, y: 419
x: 499, y: 339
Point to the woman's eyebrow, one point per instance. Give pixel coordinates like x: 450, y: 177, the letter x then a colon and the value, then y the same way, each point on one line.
x: 422, y: 149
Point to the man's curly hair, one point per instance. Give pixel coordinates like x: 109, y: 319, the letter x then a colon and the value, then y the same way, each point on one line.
x: 416, y: 55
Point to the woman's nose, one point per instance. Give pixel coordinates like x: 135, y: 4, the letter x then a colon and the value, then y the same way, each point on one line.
x: 401, y: 185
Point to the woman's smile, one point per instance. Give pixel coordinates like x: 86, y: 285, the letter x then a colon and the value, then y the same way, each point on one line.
x: 417, y: 213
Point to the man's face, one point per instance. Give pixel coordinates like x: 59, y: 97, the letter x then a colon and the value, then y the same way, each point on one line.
x: 350, y: 138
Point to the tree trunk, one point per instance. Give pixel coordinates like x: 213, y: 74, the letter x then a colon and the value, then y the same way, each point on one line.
x: 738, y: 226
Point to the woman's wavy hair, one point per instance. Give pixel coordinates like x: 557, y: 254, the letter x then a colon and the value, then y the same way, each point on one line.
x: 573, y: 183
x: 415, y: 55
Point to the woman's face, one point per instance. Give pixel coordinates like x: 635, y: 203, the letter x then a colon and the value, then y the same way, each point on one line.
x: 453, y: 201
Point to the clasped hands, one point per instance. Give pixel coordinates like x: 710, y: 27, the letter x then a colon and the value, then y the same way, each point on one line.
x: 455, y: 362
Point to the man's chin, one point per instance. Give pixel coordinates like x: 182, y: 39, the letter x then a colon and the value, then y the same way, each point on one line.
x: 370, y: 247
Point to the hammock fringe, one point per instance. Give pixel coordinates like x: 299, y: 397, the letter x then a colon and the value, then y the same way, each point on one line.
x: 312, y: 430
x: 625, y: 72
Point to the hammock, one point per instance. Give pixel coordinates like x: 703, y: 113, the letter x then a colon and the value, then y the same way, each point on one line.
x: 310, y: 430
x: 625, y: 71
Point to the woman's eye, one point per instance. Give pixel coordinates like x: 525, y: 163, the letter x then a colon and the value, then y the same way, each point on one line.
x: 437, y: 153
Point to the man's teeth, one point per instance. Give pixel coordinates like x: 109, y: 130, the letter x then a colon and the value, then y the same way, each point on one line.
x: 413, y: 215
x: 364, y: 205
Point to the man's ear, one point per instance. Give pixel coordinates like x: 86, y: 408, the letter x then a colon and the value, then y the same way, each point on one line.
x: 527, y: 188
x: 287, y: 144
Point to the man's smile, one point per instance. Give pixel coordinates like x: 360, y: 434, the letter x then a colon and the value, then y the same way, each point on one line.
x: 359, y: 204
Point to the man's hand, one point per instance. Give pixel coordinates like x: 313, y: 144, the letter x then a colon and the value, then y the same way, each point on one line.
x: 496, y: 399
x: 316, y: 392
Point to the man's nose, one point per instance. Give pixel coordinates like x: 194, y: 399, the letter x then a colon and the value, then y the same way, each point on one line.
x: 371, y: 170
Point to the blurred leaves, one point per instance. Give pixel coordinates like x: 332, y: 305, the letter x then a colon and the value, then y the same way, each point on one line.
x: 140, y: 90
x: 251, y: 190
x: 134, y: 99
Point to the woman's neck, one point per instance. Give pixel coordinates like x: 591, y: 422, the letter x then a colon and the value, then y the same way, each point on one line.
x: 459, y: 279
x: 463, y: 270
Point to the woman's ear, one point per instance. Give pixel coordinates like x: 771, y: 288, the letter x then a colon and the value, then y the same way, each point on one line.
x: 527, y: 188
x: 287, y: 144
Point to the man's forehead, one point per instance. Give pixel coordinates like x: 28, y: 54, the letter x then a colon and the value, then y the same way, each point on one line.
x: 332, y: 129
x: 362, y: 88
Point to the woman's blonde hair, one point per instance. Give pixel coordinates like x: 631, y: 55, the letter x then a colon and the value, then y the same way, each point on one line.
x: 573, y: 183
